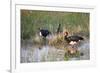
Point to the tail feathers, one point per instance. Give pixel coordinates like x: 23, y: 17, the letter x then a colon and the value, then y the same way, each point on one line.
x: 81, y: 38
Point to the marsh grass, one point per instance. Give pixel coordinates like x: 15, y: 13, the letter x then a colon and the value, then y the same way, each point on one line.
x: 74, y: 22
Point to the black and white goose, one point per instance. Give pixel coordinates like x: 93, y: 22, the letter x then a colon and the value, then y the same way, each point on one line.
x: 44, y: 32
x: 72, y: 40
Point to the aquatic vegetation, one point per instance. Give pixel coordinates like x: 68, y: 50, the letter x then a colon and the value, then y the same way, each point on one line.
x: 69, y: 55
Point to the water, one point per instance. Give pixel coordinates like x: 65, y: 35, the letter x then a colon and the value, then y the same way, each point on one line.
x: 46, y: 53
x: 31, y: 53
x: 85, y: 49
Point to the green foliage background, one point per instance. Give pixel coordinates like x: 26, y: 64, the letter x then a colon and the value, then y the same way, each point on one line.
x: 31, y: 20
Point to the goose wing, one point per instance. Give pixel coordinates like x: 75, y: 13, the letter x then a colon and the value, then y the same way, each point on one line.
x: 75, y: 38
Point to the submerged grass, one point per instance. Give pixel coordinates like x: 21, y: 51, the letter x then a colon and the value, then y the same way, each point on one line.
x: 68, y: 55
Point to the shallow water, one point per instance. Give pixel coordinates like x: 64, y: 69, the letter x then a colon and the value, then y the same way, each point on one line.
x: 46, y: 53
x: 31, y: 53
x: 85, y: 49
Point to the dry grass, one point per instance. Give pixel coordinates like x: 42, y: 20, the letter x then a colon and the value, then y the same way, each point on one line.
x: 58, y: 41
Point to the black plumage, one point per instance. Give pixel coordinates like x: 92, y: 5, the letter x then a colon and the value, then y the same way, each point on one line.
x: 44, y: 32
x: 73, y: 38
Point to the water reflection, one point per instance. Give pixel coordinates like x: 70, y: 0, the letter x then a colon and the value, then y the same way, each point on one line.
x: 31, y: 53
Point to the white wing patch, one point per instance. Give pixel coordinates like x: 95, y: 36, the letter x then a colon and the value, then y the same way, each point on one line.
x: 73, y: 43
x: 40, y: 34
